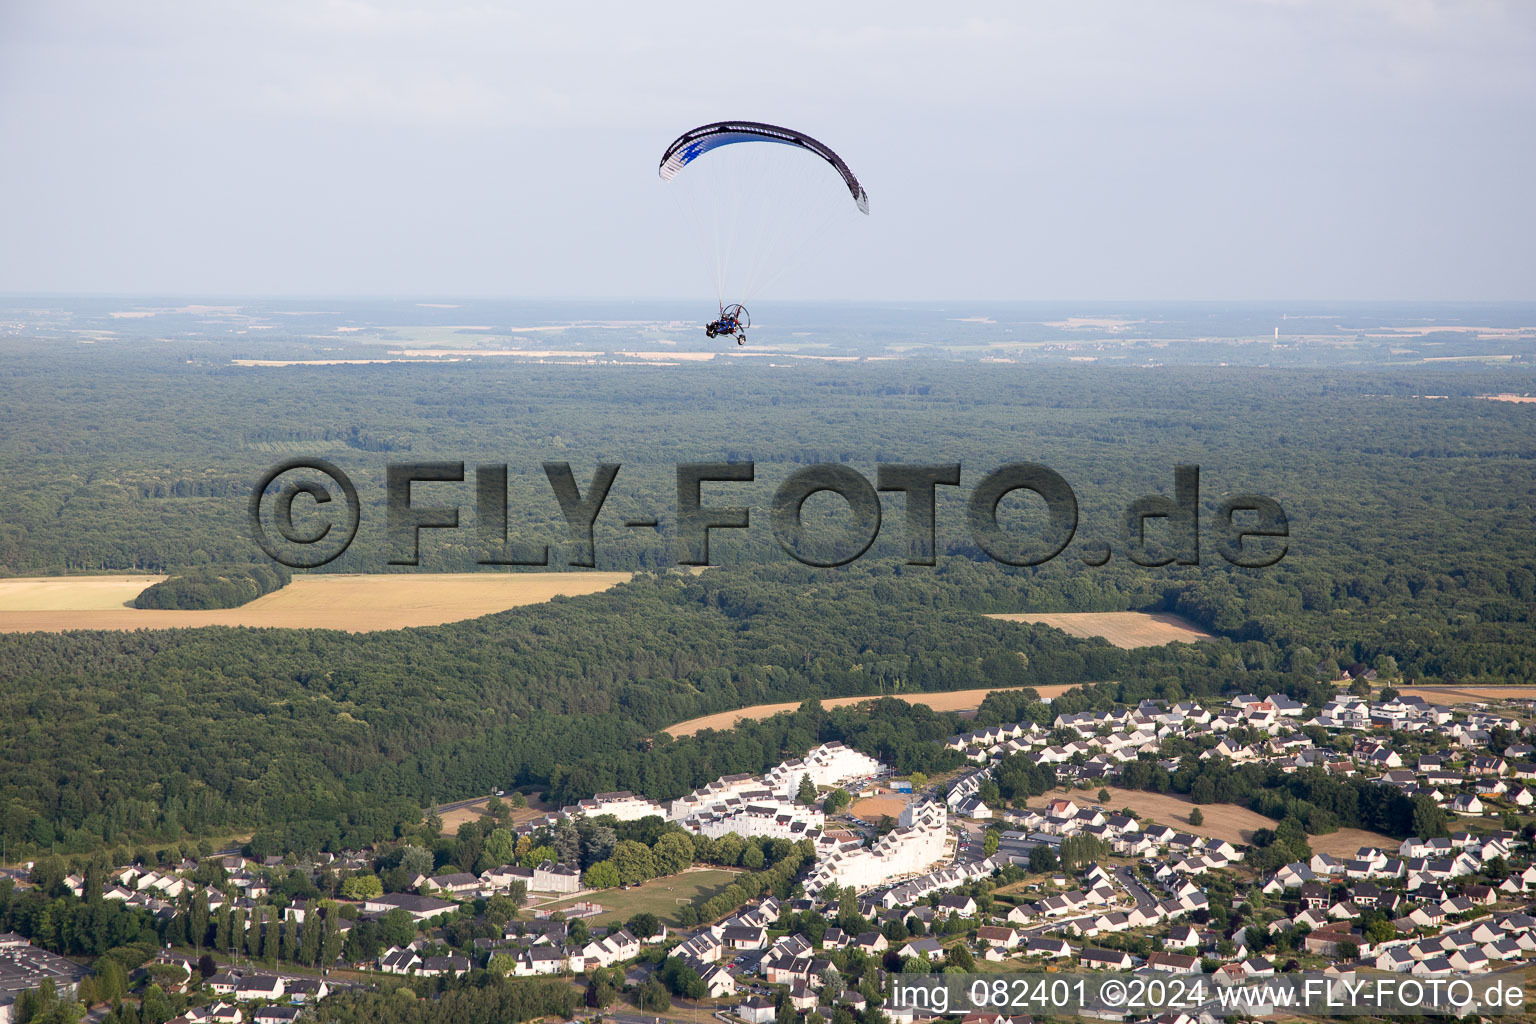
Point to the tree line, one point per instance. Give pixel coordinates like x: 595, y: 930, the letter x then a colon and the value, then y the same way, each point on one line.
x: 214, y: 587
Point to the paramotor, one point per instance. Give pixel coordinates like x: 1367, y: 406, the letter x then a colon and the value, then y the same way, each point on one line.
x: 756, y: 209
x: 733, y: 321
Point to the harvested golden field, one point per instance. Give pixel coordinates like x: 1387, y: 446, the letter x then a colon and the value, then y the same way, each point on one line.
x: 71, y: 593
x: 874, y: 808
x: 1346, y: 841
x: 1222, y: 821
x: 1469, y: 694
x: 359, y: 603
x: 1123, y: 629
x: 949, y: 700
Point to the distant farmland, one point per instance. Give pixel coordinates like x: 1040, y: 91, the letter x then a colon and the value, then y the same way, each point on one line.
x: 1123, y: 629
x: 355, y: 603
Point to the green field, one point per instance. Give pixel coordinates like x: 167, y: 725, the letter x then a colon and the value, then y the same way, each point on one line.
x: 660, y: 896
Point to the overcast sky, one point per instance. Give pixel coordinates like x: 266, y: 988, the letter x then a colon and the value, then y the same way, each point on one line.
x: 1228, y: 149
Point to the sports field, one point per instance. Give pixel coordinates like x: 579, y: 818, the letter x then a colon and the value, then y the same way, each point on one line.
x: 1123, y: 629
x: 948, y: 700
x: 663, y: 897
x: 359, y: 603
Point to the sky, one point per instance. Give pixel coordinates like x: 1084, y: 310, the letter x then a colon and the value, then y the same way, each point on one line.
x: 1094, y: 150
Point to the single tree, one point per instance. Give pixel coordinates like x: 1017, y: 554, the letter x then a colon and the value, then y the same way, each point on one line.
x: 961, y: 957
x: 807, y: 793
x: 643, y: 925
x: 652, y: 996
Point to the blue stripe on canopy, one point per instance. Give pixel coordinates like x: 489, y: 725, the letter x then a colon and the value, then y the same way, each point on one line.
x: 693, y: 144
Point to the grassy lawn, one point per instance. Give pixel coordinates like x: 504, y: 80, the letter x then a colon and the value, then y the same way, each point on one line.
x: 1012, y: 965
x: 660, y: 896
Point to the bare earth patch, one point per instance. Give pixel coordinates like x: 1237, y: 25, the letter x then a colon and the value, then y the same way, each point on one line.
x: 949, y: 700
x: 1123, y: 629
x: 874, y: 808
x: 358, y: 603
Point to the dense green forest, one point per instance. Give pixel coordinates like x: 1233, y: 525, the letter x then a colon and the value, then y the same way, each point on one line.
x: 214, y: 588
x: 1411, y: 538
x: 106, y: 736
x: 130, y: 457
x: 484, y: 1000
x: 337, y: 739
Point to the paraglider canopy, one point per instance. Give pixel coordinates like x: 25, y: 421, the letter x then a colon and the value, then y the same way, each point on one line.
x: 692, y: 144
x: 756, y: 210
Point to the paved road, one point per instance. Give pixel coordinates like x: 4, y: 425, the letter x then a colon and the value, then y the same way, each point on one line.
x: 1036, y: 931
x: 1133, y: 885
x: 968, y: 844
x: 459, y: 805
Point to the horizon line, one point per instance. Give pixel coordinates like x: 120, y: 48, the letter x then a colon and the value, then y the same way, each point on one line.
x: 922, y: 300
